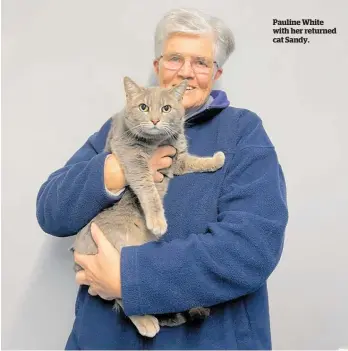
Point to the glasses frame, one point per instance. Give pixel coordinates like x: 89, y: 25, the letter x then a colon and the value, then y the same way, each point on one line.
x: 177, y: 70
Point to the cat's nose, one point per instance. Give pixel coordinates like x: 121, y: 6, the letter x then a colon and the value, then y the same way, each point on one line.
x: 155, y: 121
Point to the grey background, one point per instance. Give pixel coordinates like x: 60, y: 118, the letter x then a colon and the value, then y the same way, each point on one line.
x: 62, y: 69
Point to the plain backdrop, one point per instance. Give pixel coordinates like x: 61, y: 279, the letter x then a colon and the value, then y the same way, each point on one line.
x: 63, y: 62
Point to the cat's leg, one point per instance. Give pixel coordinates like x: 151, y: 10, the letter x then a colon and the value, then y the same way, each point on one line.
x: 186, y: 163
x: 140, y: 179
x: 175, y: 319
x: 147, y: 325
x: 162, y: 187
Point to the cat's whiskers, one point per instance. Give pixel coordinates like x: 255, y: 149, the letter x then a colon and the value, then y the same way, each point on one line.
x: 167, y: 132
x: 170, y: 131
x: 128, y: 131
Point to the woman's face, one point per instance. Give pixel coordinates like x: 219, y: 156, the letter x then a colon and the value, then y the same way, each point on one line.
x: 196, y: 55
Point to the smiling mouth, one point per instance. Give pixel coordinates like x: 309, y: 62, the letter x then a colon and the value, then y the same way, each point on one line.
x: 188, y: 88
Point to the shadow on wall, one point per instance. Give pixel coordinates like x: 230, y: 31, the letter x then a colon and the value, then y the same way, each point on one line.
x: 47, y: 305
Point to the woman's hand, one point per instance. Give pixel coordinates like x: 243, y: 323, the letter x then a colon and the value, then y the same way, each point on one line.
x: 102, y: 272
x: 114, y: 178
x: 161, y: 159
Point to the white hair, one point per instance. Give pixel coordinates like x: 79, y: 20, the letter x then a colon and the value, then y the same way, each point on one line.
x: 192, y: 21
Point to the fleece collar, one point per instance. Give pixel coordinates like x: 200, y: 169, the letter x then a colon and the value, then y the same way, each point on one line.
x: 219, y: 101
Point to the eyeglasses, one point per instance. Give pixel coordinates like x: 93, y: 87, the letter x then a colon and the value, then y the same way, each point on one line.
x: 200, y: 65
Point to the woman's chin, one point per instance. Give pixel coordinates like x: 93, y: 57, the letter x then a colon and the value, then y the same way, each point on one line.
x: 187, y: 102
x: 190, y: 100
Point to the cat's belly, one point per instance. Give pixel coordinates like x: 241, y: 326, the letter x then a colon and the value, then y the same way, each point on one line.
x: 122, y: 224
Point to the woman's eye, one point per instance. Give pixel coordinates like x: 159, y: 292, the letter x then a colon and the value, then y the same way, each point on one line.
x: 143, y: 108
x: 175, y: 58
x: 202, y: 63
x: 166, y: 108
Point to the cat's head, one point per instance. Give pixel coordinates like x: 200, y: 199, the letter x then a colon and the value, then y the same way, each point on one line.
x: 154, y: 112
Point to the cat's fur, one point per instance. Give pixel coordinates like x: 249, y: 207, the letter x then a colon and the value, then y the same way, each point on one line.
x: 139, y: 215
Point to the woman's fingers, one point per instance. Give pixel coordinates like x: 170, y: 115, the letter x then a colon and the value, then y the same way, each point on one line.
x: 92, y: 292
x: 81, y: 278
x: 166, y: 150
x: 158, y: 177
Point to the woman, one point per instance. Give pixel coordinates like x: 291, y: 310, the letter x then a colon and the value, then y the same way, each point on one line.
x: 226, y: 229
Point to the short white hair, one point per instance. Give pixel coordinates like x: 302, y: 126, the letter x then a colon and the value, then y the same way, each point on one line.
x: 192, y: 21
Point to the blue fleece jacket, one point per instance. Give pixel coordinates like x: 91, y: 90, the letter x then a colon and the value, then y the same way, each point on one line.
x: 225, y: 237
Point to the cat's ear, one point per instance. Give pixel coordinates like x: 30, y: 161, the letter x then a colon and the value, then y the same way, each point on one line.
x: 179, y: 90
x: 131, y: 88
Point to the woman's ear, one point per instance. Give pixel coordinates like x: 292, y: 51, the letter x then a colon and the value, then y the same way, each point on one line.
x: 156, y: 67
x: 218, y: 74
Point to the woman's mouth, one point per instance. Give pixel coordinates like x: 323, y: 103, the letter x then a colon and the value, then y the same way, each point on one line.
x: 189, y: 88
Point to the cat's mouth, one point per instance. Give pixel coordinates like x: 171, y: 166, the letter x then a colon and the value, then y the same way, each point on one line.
x: 153, y: 130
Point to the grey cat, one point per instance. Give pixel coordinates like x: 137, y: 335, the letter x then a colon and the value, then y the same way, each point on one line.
x: 152, y: 117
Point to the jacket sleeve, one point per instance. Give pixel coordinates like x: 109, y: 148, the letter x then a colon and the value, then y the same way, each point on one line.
x: 234, y: 257
x: 76, y: 193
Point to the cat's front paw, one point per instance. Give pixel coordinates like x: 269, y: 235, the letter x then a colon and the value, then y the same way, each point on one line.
x: 219, y: 158
x: 157, y: 225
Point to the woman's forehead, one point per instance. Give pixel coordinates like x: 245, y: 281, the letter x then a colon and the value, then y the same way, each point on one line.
x: 189, y: 45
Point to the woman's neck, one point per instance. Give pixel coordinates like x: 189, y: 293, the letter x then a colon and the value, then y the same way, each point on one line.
x: 189, y: 112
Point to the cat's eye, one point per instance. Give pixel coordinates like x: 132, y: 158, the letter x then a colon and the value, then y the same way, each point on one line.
x: 166, y: 108
x: 143, y: 108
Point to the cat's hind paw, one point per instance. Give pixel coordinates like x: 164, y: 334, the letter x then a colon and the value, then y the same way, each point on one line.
x: 147, y: 325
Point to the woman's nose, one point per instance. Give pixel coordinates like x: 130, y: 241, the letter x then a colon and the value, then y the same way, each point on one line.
x: 186, y: 70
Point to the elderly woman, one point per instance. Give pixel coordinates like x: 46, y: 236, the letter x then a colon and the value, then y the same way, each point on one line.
x: 226, y: 229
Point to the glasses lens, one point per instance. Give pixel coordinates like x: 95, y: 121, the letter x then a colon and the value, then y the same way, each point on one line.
x: 201, y: 65
x: 173, y: 62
